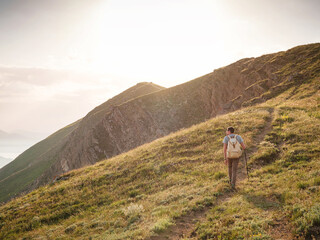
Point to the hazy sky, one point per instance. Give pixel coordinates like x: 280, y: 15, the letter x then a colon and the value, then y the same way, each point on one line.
x: 61, y: 58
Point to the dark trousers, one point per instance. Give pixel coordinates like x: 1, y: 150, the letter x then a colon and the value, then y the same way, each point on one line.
x: 232, y: 169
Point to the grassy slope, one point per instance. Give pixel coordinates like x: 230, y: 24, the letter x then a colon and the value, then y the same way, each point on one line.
x: 281, y: 200
x: 32, y: 163
x: 135, y: 193
x: 140, y: 193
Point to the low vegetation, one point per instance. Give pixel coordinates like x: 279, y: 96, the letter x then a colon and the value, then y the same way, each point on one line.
x: 281, y: 199
x: 136, y: 194
x: 141, y: 193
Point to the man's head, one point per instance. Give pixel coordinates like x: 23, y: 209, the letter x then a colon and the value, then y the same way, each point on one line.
x: 230, y: 130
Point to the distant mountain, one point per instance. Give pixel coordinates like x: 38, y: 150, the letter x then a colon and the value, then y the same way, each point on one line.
x: 119, y: 126
x: 31, y: 164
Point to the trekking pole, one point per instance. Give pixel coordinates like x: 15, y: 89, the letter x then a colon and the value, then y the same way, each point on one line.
x: 245, y: 156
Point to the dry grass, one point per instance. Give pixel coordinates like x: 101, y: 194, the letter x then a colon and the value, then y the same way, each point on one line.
x: 141, y: 193
x: 135, y: 194
x: 281, y: 200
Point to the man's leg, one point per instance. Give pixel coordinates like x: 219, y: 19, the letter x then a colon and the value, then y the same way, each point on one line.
x: 234, y: 171
x: 230, y: 169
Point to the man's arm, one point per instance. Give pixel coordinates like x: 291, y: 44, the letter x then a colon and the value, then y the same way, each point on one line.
x: 225, y: 153
x: 240, y: 140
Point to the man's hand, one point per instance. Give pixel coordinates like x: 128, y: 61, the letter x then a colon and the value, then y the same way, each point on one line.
x: 226, y: 161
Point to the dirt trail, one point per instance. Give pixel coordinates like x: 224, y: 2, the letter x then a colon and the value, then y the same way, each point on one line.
x: 242, y: 171
x: 184, y: 227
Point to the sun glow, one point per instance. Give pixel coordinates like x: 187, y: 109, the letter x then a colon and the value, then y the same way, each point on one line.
x: 57, y: 53
x: 128, y: 41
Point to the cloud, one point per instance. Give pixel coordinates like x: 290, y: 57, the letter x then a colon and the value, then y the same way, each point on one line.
x: 44, y: 100
x: 41, y: 76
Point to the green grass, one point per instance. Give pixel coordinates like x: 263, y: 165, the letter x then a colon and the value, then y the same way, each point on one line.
x: 286, y: 188
x: 140, y: 192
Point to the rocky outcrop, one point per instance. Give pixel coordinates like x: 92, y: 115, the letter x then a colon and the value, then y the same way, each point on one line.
x: 40, y: 159
x: 154, y: 115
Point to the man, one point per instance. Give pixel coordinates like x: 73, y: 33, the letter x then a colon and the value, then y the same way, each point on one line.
x: 232, y: 162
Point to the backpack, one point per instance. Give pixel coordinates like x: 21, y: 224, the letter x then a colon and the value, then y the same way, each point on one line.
x: 233, y: 149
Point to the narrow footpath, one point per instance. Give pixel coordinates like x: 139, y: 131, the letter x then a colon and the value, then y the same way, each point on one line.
x: 184, y: 226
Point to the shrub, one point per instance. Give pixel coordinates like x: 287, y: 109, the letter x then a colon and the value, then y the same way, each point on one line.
x: 302, y: 185
x: 133, y: 210
x: 315, y: 114
x: 291, y: 137
x: 316, y: 181
x: 272, y: 169
x: 219, y: 175
x: 307, y: 219
x: 286, y: 196
x: 133, y: 193
x: 273, y: 137
x: 298, y: 154
x: 266, y: 154
x: 283, y: 119
x: 70, y: 229
x: 161, y: 225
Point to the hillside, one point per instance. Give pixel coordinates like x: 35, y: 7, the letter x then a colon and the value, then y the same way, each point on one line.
x: 148, y: 117
x: 31, y: 164
x: 157, y: 190
x: 128, y: 121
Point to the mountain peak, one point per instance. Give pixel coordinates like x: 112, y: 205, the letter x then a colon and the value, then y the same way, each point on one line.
x: 149, y: 84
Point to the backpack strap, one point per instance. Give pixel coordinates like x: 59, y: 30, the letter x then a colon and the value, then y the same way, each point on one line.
x: 235, y: 136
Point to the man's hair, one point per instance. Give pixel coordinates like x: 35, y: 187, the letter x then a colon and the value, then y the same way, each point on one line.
x: 231, y: 129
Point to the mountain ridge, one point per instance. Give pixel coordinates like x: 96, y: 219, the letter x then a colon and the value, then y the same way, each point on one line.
x: 143, y: 119
x: 144, y: 193
x: 16, y: 176
x: 149, y: 117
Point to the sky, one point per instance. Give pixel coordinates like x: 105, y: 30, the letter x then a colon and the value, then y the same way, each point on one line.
x: 61, y: 58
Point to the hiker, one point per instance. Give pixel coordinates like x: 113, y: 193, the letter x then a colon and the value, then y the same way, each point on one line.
x: 232, y: 153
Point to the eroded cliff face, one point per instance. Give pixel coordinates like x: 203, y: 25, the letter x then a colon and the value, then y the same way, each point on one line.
x: 76, y: 139
x: 154, y: 115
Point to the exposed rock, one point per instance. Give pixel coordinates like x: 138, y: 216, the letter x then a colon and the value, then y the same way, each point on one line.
x: 146, y: 112
x: 141, y: 120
